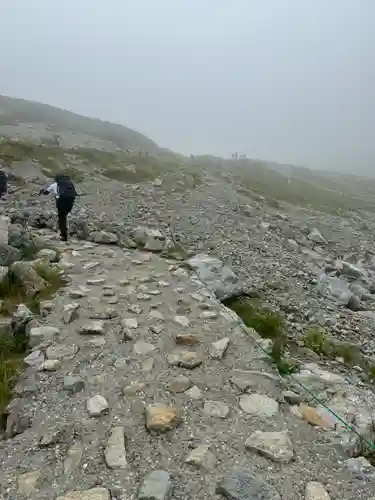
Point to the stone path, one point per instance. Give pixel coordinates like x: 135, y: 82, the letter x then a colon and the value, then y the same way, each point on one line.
x: 145, y: 387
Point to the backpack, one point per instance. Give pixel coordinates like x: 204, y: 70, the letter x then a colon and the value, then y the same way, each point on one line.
x: 65, y: 186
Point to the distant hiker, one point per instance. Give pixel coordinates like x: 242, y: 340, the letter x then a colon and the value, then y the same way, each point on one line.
x: 3, y: 183
x: 65, y: 193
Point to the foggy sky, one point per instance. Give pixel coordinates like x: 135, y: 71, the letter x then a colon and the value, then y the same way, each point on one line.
x: 285, y: 80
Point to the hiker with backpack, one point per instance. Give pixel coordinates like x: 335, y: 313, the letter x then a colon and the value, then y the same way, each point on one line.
x: 65, y: 193
x: 3, y: 183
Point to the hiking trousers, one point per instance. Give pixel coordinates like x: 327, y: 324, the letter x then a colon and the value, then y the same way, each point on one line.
x: 64, y: 205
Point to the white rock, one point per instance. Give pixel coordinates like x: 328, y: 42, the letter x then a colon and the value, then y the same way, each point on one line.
x: 129, y: 323
x: 219, y: 347
x: 97, y: 406
x: 182, y: 320
x: 41, y: 334
x: 316, y: 491
x: 259, y: 405
x: 274, y: 445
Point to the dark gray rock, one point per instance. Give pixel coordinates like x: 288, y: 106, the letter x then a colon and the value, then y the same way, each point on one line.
x: 244, y: 484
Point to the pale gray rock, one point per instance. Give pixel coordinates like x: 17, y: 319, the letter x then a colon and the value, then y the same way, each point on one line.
x: 41, y: 334
x: 274, y: 445
x: 156, y: 485
x: 115, y: 453
x: 259, y: 405
x: 97, y: 406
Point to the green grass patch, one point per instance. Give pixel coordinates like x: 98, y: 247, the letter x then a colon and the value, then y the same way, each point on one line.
x: 267, y: 324
x: 13, y: 345
x: 317, y: 340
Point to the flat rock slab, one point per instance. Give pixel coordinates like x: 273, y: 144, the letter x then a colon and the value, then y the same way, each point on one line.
x: 316, y: 491
x: 259, y: 404
x: 92, y: 494
x: 243, y: 484
x: 93, y: 328
x: 274, y: 445
x: 156, y: 485
x: 115, y: 454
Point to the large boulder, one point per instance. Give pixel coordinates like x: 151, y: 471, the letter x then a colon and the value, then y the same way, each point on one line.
x: 148, y: 239
x: 9, y: 254
x: 218, y: 277
x: 27, y: 277
x: 334, y: 288
x: 21, y: 239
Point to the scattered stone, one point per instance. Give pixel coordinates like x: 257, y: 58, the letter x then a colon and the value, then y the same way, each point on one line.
x: 115, y: 453
x: 92, y: 494
x: 42, y: 334
x: 292, y: 398
x: 90, y: 265
x: 32, y: 283
x: 244, y: 484
x: 96, y: 281
x: 130, y: 323
x: 162, y: 418
x: 52, y: 435
x: 311, y: 415
x: 142, y: 348
x: 194, y: 393
x: 219, y: 348
x: 219, y: 278
x: 182, y: 321
x: 79, y: 293
x: 202, y: 457
x: 187, y: 339
x: 46, y: 307
x: 209, y: 315
x: 16, y: 423
x: 104, y: 238
x: 274, y: 445
x: 148, y: 365
x: 133, y: 388
x: 47, y: 254
x: 135, y: 308
x: 216, y: 409
x: 97, y: 406
x: 155, y: 314
x: 259, y: 405
x: 156, y: 485
x: 317, y: 237
x: 73, y: 384
x: 35, y: 358
x: 28, y: 483
x: 316, y: 491
x: 156, y: 329
x: 94, y: 328
x: 102, y: 311
x: 23, y: 314
x: 73, y: 458
x: 360, y: 466
x: 70, y: 313
x: 50, y: 365
x: 179, y: 384
x: 185, y: 359
x: 61, y: 351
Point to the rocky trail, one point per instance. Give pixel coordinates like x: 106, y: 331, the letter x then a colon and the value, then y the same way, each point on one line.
x: 142, y: 385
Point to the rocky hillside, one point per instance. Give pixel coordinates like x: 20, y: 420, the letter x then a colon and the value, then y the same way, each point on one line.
x: 138, y: 383
x: 215, y: 341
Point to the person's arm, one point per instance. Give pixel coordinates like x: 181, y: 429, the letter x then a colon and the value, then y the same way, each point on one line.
x: 52, y: 188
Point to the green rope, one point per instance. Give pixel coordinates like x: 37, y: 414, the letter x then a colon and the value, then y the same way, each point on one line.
x: 308, y: 391
x: 340, y: 419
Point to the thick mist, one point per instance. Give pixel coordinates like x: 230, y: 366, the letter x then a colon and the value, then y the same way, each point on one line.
x: 283, y: 80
